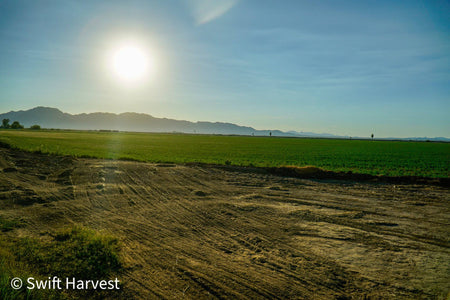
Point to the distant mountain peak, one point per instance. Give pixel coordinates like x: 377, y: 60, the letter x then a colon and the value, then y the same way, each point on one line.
x: 45, y: 108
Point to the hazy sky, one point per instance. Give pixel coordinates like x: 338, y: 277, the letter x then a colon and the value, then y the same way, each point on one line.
x: 341, y: 67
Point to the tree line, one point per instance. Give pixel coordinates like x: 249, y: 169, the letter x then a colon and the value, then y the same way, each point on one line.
x: 15, y: 125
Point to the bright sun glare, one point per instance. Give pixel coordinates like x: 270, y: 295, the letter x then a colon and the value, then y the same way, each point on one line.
x: 132, y: 63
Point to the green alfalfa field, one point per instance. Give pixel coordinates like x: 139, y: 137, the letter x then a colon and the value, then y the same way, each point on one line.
x: 390, y: 158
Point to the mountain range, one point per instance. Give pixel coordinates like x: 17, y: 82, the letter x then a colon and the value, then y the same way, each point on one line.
x: 48, y: 117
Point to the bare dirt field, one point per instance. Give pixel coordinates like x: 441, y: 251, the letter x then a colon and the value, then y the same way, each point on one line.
x: 209, y: 232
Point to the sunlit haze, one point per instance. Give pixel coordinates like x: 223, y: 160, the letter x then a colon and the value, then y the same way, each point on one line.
x: 131, y: 63
x: 340, y: 67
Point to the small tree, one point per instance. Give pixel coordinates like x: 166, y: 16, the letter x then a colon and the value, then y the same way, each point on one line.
x: 16, y: 125
x: 372, y: 136
x: 5, y: 123
x: 35, y: 127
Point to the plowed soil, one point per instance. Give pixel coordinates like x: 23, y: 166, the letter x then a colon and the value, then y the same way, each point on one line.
x: 206, y: 232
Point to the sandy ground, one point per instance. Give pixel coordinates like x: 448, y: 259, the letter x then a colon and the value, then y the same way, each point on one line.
x: 199, y: 232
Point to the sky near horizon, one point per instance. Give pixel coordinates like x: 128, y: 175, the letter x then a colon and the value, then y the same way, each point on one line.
x: 341, y: 67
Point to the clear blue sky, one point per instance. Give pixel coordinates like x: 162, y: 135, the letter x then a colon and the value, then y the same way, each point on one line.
x: 341, y: 67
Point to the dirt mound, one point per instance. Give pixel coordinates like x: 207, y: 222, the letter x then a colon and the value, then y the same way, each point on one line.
x: 300, y: 172
x: 311, y: 172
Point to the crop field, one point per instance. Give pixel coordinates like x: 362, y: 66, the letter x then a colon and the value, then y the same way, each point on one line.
x: 392, y: 158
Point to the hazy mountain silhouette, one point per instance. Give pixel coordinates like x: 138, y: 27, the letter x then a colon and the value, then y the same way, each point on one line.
x: 48, y: 117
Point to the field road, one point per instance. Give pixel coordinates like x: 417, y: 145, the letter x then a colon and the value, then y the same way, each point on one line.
x: 201, y: 232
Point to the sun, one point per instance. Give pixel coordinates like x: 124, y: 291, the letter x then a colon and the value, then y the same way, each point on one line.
x: 131, y: 63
